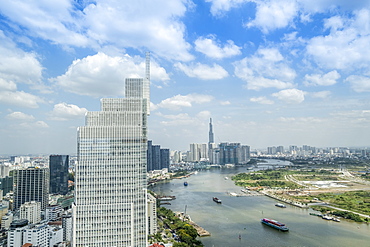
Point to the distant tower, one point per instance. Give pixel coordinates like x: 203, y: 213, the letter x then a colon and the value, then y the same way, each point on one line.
x: 31, y: 184
x: 211, y: 137
x: 58, y: 165
x: 210, y: 142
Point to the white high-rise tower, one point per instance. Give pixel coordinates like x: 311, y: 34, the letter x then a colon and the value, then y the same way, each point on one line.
x: 110, y: 178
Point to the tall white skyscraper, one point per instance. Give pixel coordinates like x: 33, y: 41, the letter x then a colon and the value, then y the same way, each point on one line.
x: 110, y: 184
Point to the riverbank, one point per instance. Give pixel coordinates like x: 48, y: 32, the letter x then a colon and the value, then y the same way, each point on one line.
x: 241, y: 215
x: 285, y: 200
x: 186, y: 218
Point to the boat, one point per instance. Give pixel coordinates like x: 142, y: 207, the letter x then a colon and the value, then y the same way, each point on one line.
x: 185, y: 183
x: 327, y: 217
x: 280, y: 205
x: 315, y: 214
x: 336, y: 219
x: 275, y: 224
x: 226, y: 178
x: 215, y: 199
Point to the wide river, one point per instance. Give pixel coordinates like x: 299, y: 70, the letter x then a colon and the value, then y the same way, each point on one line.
x: 240, y: 216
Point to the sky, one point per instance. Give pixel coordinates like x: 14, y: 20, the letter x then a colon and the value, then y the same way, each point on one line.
x: 268, y: 73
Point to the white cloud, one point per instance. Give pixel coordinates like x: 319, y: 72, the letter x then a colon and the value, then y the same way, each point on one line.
x: 261, y: 100
x: 19, y: 116
x: 300, y: 120
x: 331, y: 5
x: 359, y: 83
x: 64, y: 111
x: 20, y: 98
x: 274, y: 14
x: 7, y: 85
x: 210, y: 48
x: 218, y: 7
x: 327, y: 79
x: 151, y: 24
x: 292, y: 96
x: 204, y: 115
x: 203, y: 71
x: 321, y: 94
x: 102, y: 75
x: 266, y: 68
x: 346, y: 45
x: 184, y: 119
x: 14, y: 61
x: 178, y: 101
x: 54, y: 21
x: 34, y: 125
x: 225, y: 102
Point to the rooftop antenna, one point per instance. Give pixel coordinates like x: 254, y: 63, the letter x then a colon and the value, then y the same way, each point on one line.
x: 147, y: 81
x: 147, y: 66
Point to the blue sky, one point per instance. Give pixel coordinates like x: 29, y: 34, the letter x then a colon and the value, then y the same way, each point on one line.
x: 269, y: 73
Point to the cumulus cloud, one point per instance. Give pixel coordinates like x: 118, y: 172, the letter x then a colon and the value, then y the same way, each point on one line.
x: 7, y: 85
x: 274, y: 14
x: 322, y: 6
x: 103, y: 75
x: 210, y: 48
x: 327, y: 79
x: 266, y: 68
x: 300, y: 120
x: 292, y: 96
x: 218, y: 7
x: 64, y: 111
x: 321, y: 94
x: 34, y: 125
x: 19, y: 116
x: 20, y: 98
x: 204, y: 115
x: 359, y: 83
x: 261, y: 100
x: 346, y: 45
x: 225, y: 102
x: 203, y: 71
x: 152, y: 24
x: 178, y: 101
x: 13, y: 64
x: 184, y: 119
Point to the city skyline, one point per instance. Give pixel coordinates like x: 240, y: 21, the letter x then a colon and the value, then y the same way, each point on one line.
x: 268, y: 73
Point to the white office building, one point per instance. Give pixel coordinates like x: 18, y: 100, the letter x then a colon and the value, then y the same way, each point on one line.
x: 110, y: 179
x: 67, y: 227
x: 37, y: 235
x: 30, y: 211
x: 152, y: 214
x: 53, y: 212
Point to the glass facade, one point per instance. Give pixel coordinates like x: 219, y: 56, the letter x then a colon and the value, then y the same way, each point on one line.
x: 58, y: 165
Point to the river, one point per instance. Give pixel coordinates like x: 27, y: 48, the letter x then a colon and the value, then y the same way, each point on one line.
x: 240, y: 216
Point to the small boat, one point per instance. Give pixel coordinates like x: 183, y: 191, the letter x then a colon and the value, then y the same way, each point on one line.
x: 315, y: 214
x: 336, y: 219
x: 280, y: 205
x: 215, y: 199
x: 327, y: 217
x: 226, y: 178
x: 275, y: 224
x: 185, y: 183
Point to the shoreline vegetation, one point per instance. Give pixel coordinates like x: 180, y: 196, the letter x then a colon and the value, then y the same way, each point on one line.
x: 175, y: 229
x: 341, y: 194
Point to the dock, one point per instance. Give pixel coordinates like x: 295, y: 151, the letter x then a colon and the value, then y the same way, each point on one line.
x: 201, y: 231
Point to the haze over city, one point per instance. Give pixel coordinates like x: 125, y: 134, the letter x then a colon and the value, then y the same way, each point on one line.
x: 268, y: 73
